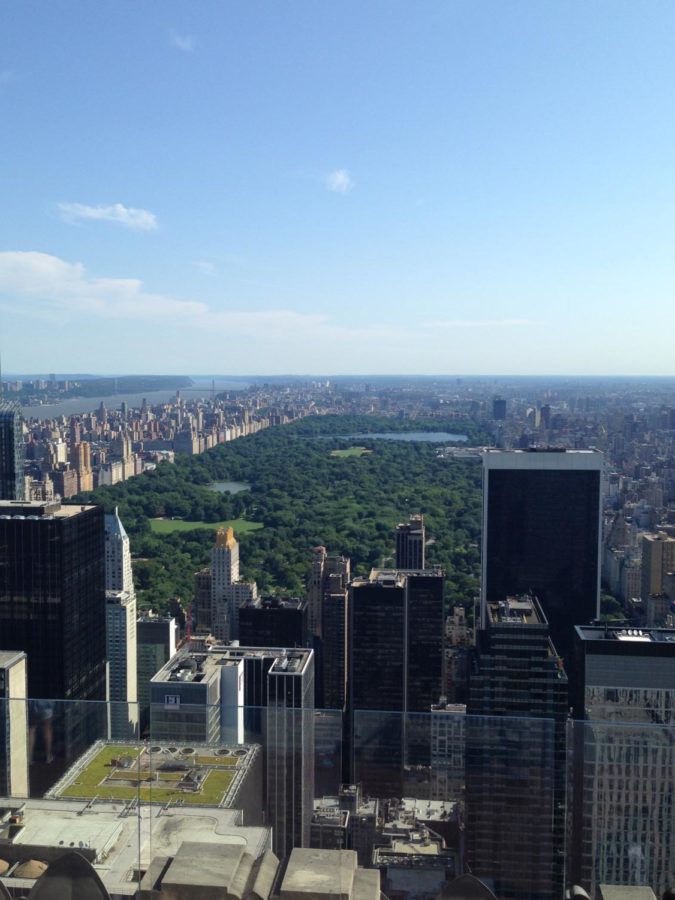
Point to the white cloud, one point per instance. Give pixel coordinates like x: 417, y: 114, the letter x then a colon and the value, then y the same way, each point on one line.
x: 55, y: 292
x: 478, y: 323
x: 339, y: 181
x: 48, y: 284
x: 136, y: 219
x: 184, y: 42
x: 205, y: 267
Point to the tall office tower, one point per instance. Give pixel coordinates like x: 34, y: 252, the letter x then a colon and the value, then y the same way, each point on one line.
x: 516, y: 754
x: 395, y: 668
x: 118, y: 572
x: 120, y: 629
x: 273, y: 621
x: 224, y: 572
x: 624, y: 761
x: 13, y: 725
x: 201, y: 605
x: 499, y: 408
x: 334, y: 627
x: 121, y: 641
x: 410, y: 544
x: 658, y: 558
x: 290, y: 724
x: 11, y: 451
x: 541, y: 534
x: 324, y: 565
x: 52, y: 606
x: 156, y: 639
x: 278, y: 698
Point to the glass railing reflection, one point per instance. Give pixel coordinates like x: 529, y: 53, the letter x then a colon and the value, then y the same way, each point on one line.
x: 527, y: 805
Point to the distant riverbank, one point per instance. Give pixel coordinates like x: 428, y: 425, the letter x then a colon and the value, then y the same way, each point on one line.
x: 77, y: 405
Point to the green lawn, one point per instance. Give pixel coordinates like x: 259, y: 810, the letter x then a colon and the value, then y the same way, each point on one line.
x: 350, y: 451
x: 88, y: 783
x: 167, y: 526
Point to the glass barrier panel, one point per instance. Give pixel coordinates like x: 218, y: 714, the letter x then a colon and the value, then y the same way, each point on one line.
x: 530, y: 806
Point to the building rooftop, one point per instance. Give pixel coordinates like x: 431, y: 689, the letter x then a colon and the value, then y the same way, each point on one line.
x: 113, y: 525
x: 202, y: 660
x: 523, y: 610
x: 117, y: 842
x: 560, y: 458
x: 197, y: 775
x: 39, y: 509
x: 276, y: 603
x: 626, y: 634
x: 328, y: 873
x: 8, y: 657
x: 395, y: 577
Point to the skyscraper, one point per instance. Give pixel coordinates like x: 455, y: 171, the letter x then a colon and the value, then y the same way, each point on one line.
x: 118, y: 572
x: 198, y: 696
x: 156, y: 639
x: 290, y: 769
x: 624, y: 760
x: 52, y: 605
x: 120, y: 628
x: 516, y: 754
x: 335, y: 629
x: 224, y: 572
x: 11, y: 451
x: 325, y: 568
x: 120, y: 631
x: 273, y: 621
x: 228, y: 593
x: 395, y: 664
x: 541, y: 534
x: 658, y: 558
x: 410, y: 538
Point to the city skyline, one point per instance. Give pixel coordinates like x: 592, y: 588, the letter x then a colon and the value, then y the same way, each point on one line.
x: 454, y: 188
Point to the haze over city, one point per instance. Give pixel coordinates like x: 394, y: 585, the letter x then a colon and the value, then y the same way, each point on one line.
x: 337, y: 188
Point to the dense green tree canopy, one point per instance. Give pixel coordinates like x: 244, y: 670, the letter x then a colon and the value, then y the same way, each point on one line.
x: 304, y: 496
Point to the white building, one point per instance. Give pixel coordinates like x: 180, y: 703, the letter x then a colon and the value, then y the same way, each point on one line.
x: 120, y: 629
x: 121, y: 644
x: 118, y: 574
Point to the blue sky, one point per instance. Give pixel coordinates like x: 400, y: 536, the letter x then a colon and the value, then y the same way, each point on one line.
x: 337, y: 187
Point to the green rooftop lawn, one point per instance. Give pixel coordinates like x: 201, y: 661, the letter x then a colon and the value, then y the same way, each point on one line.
x: 216, y: 760
x: 89, y: 782
x: 167, y: 526
x: 350, y: 451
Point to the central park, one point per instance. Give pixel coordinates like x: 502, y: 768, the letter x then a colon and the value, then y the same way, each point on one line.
x: 307, y: 484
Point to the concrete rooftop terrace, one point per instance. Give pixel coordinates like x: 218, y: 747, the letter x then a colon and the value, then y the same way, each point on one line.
x: 118, y: 839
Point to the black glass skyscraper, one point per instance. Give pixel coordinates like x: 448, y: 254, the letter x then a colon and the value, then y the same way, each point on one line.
x: 541, y: 533
x: 11, y: 452
x: 516, y: 754
x: 52, y: 596
x: 395, y: 664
